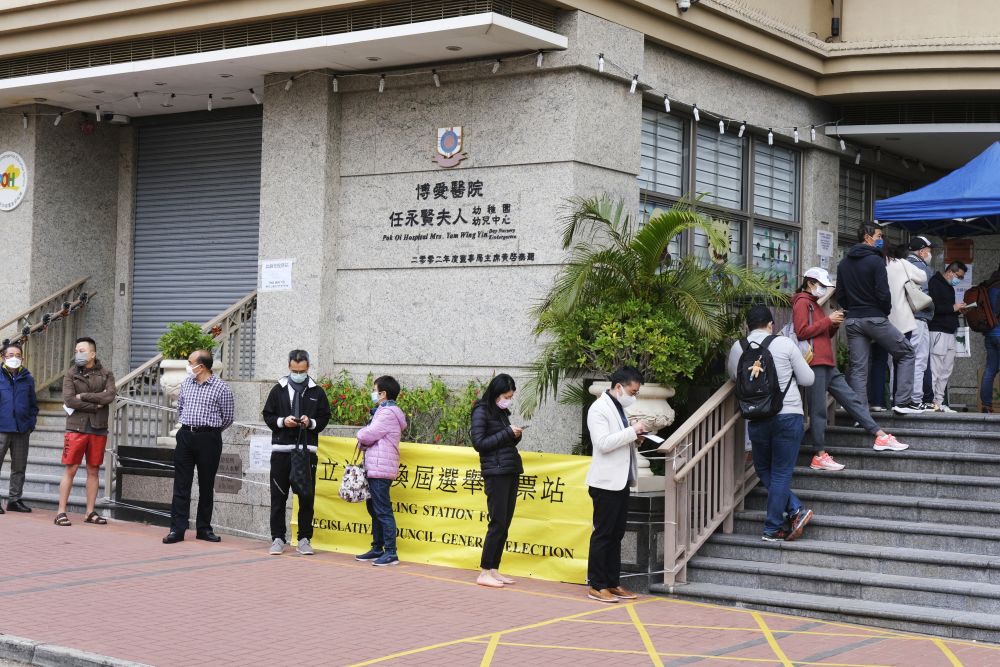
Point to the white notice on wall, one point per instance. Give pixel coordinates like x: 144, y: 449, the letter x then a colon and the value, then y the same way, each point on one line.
x: 824, y: 262
x: 260, y: 453
x: 276, y: 275
x: 824, y: 243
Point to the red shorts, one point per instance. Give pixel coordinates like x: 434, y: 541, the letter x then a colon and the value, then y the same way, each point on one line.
x: 76, y: 444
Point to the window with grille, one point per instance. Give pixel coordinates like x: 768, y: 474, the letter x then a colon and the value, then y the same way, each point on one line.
x: 775, y: 181
x: 661, y: 167
x: 854, y: 208
x: 719, y: 168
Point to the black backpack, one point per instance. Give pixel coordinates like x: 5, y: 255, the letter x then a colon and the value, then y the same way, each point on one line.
x: 757, y: 389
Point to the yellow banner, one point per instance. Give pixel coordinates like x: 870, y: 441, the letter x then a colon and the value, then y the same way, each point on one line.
x: 441, y: 517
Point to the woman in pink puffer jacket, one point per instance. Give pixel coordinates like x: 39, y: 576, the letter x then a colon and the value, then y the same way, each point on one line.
x: 380, y: 442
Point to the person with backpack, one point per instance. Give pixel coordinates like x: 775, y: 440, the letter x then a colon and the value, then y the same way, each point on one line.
x: 768, y: 371
x: 816, y: 328
x: 987, y: 299
x: 863, y: 289
x: 943, y: 328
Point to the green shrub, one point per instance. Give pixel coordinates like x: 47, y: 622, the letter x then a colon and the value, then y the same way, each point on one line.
x: 183, y: 338
x: 434, y: 414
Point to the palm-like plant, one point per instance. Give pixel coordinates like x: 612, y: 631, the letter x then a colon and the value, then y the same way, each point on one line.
x: 690, y: 303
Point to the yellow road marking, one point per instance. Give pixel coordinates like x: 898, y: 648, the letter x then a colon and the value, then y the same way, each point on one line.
x: 491, y: 648
x: 559, y: 647
x: 952, y: 658
x: 771, y: 640
x: 484, y: 635
x: 684, y: 626
x: 646, y: 641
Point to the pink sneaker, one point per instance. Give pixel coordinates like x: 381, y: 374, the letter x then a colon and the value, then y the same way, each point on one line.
x: 888, y: 441
x: 825, y: 462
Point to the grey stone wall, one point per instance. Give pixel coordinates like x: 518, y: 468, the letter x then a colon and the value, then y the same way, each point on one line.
x: 18, y: 226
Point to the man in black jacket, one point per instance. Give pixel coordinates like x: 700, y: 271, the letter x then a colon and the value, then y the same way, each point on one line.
x: 296, y: 411
x: 863, y: 290
x: 943, y: 326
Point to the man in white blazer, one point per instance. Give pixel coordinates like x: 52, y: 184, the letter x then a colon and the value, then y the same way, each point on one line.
x: 612, y: 471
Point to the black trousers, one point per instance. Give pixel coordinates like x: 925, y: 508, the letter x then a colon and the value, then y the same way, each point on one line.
x: 501, y: 497
x: 281, y: 471
x: 201, y: 451
x: 604, y: 563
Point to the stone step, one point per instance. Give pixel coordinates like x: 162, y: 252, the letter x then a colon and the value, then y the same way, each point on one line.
x: 889, y: 507
x: 961, y: 487
x: 879, y: 532
x: 930, y: 421
x: 911, y: 461
x: 895, y: 589
x: 852, y: 556
x: 48, y: 483
x: 971, y: 442
x: 905, y: 617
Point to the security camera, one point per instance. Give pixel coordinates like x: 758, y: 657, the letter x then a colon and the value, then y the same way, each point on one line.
x: 683, y: 5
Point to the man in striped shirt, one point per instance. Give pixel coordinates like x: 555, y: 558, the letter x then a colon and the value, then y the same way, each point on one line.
x: 205, y: 407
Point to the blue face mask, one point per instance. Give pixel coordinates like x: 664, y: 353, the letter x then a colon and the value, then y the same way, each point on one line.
x: 879, y: 243
x: 955, y: 281
x: 298, y: 378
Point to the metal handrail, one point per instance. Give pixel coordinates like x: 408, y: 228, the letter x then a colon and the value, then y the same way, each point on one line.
x: 707, y: 483
x: 47, y: 331
x: 141, y: 412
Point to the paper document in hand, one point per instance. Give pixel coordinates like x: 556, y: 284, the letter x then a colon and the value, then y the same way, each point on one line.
x: 654, y: 438
x: 68, y: 409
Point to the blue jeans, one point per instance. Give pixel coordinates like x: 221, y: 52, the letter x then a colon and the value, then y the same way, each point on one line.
x: 990, y: 373
x: 383, y: 521
x: 775, y: 444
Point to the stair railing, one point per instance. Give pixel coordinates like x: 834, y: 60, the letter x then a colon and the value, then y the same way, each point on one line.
x: 47, y: 331
x: 141, y: 413
x: 707, y: 482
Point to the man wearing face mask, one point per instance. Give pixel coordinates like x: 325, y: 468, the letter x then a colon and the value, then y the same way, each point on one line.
x: 88, y: 390
x: 205, y: 409
x: 18, y: 412
x: 613, y: 470
x: 296, y: 410
x: 920, y: 338
x: 863, y: 290
x: 943, y: 328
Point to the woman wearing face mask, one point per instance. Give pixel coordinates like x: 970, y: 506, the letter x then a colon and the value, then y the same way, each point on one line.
x: 496, y: 440
x: 813, y: 325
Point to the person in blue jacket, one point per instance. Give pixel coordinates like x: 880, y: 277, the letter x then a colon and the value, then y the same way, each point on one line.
x: 18, y: 412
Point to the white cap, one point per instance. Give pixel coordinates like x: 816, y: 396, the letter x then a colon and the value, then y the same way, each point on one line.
x: 821, y: 275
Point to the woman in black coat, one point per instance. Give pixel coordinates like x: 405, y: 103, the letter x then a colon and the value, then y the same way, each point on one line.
x: 496, y: 440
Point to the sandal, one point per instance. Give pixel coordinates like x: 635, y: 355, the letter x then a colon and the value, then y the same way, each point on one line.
x: 62, y: 519
x: 95, y: 518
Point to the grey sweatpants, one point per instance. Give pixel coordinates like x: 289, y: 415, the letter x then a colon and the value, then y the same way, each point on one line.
x: 861, y: 333
x: 829, y: 379
x: 17, y: 443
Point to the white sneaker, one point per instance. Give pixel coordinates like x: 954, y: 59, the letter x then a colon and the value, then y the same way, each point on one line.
x: 945, y: 408
x: 277, y: 547
x: 304, y: 547
x: 888, y: 441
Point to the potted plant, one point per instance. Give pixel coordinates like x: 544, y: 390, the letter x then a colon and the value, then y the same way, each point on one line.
x: 622, y: 299
x: 176, y: 345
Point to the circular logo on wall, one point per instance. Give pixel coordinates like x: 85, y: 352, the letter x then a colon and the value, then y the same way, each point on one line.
x: 13, y: 180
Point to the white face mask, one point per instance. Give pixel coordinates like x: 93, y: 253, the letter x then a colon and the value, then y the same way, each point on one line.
x: 625, y: 399
x: 819, y: 291
x: 13, y: 363
x: 298, y: 377
x: 505, y: 403
x: 375, y: 396
x: 191, y: 370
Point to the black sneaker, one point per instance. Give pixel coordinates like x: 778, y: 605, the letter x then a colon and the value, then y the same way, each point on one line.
x: 908, y: 409
x: 779, y: 535
x: 18, y: 506
x: 373, y: 554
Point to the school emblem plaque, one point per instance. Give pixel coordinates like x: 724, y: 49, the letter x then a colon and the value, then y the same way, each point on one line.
x: 449, y: 147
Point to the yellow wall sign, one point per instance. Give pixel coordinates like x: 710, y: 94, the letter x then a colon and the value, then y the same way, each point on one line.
x: 440, y: 508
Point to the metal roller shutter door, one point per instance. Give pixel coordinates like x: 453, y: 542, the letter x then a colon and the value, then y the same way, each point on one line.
x: 197, y: 217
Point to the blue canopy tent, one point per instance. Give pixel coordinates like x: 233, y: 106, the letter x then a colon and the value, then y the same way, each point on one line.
x: 966, y: 202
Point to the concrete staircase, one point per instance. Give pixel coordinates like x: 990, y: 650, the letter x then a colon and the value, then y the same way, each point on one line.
x: 41, y: 487
x: 908, y: 540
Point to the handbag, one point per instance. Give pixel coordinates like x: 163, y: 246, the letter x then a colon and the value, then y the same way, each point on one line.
x: 354, y: 483
x: 917, y: 299
x: 302, y: 475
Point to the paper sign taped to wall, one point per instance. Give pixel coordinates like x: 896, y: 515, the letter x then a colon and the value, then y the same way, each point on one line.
x: 260, y: 453
x: 824, y: 243
x: 276, y: 275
